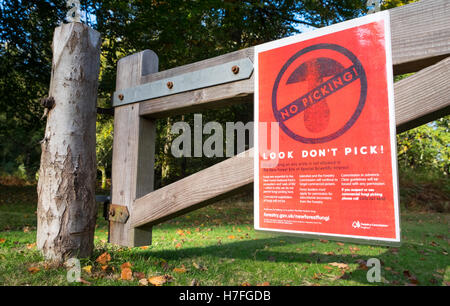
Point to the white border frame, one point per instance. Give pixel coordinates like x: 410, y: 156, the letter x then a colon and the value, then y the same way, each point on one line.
x: 385, y: 16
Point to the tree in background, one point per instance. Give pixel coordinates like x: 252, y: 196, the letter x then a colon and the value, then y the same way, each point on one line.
x: 180, y: 32
x: 426, y: 148
x: 26, y: 31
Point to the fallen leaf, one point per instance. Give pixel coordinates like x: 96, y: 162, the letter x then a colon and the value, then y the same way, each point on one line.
x: 412, y: 278
x: 104, y: 267
x: 180, y: 270
x: 143, y: 282
x: 330, y: 253
x: 353, y: 249
x: 126, y: 274
x: 328, y: 268
x: 180, y: 232
x: 340, y: 244
x: 231, y: 237
x: 157, y: 280
x: 139, y: 275
x: 2, y: 240
x: 26, y: 229
x: 264, y: 284
x: 33, y: 270
x: 199, y: 267
x: 145, y: 247
x: 31, y: 246
x: 195, y: 282
x: 323, y: 240
x: 345, y: 276
x: 84, y: 281
x: 125, y: 265
x: 271, y: 258
x: 87, y: 269
x: 340, y: 265
x: 245, y: 284
x: 103, y: 259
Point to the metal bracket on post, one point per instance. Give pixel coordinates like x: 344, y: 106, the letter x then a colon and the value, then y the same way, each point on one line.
x: 118, y: 213
x: 220, y: 74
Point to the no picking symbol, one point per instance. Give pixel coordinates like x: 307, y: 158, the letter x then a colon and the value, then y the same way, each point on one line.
x: 313, y: 104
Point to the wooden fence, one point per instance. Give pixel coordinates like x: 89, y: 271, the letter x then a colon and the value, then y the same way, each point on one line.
x: 420, y: 43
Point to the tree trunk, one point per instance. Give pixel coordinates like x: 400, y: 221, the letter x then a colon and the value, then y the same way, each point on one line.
x: 103, y: 171
x: 66, y: 189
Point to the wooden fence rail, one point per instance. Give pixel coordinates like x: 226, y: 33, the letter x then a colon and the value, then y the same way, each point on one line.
x: 420, y: 41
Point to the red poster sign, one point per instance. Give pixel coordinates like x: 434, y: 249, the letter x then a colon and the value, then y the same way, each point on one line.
x: 325, y: 161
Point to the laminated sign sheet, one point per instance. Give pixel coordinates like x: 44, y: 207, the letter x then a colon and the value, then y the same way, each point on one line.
x: 325, y: 162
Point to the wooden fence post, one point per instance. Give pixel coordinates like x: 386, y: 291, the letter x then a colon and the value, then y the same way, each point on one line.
x: 66, y: 189
x: 133, y: 150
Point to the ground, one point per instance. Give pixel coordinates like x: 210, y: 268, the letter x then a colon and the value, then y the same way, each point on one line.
x: 217, y: 245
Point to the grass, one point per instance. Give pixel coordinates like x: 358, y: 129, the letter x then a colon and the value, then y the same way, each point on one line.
x: 217, y: 245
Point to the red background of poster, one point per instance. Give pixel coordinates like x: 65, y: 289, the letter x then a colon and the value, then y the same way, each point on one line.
x: 371, y: 128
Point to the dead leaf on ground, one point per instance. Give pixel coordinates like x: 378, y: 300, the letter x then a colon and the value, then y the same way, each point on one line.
x: 104, y: 258
x: 2, y: 240
x: 180, y: 270
x: 157, y: 280
x: 393, y: 250
x: 178, y: 245
x: 264, y: 284
x: 345, y: 276
x: 271, y: 258
x: 145, y: 247
x: 126, y: 274
x: 139, y: 275
x: 245, y: 284
x: 411, y: 278
x: 33, y: 270
x: 353, y: 249
x: 87, y: 269
x: 195, y: 282
x: 84, y: 281
x: 31, y: 245
x: 340, y: 265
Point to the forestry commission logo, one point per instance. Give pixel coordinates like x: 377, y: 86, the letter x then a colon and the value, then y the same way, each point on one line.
x: 356, y: 224
x: 319, y: 93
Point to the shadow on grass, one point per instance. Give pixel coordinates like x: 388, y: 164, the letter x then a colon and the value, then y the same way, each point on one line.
x: 257, y: 251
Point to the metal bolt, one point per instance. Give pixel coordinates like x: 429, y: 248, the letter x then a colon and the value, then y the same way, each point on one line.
x: 235, y: 69
x: 170, y: 85
x: 121, y: 97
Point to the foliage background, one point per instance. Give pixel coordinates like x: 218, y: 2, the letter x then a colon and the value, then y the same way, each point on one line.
x: 180, y: 32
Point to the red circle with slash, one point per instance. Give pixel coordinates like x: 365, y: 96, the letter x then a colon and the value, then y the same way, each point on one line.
x: 319, y: 93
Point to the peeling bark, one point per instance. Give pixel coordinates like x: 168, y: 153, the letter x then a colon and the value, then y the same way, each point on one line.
x: 66, y: 189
